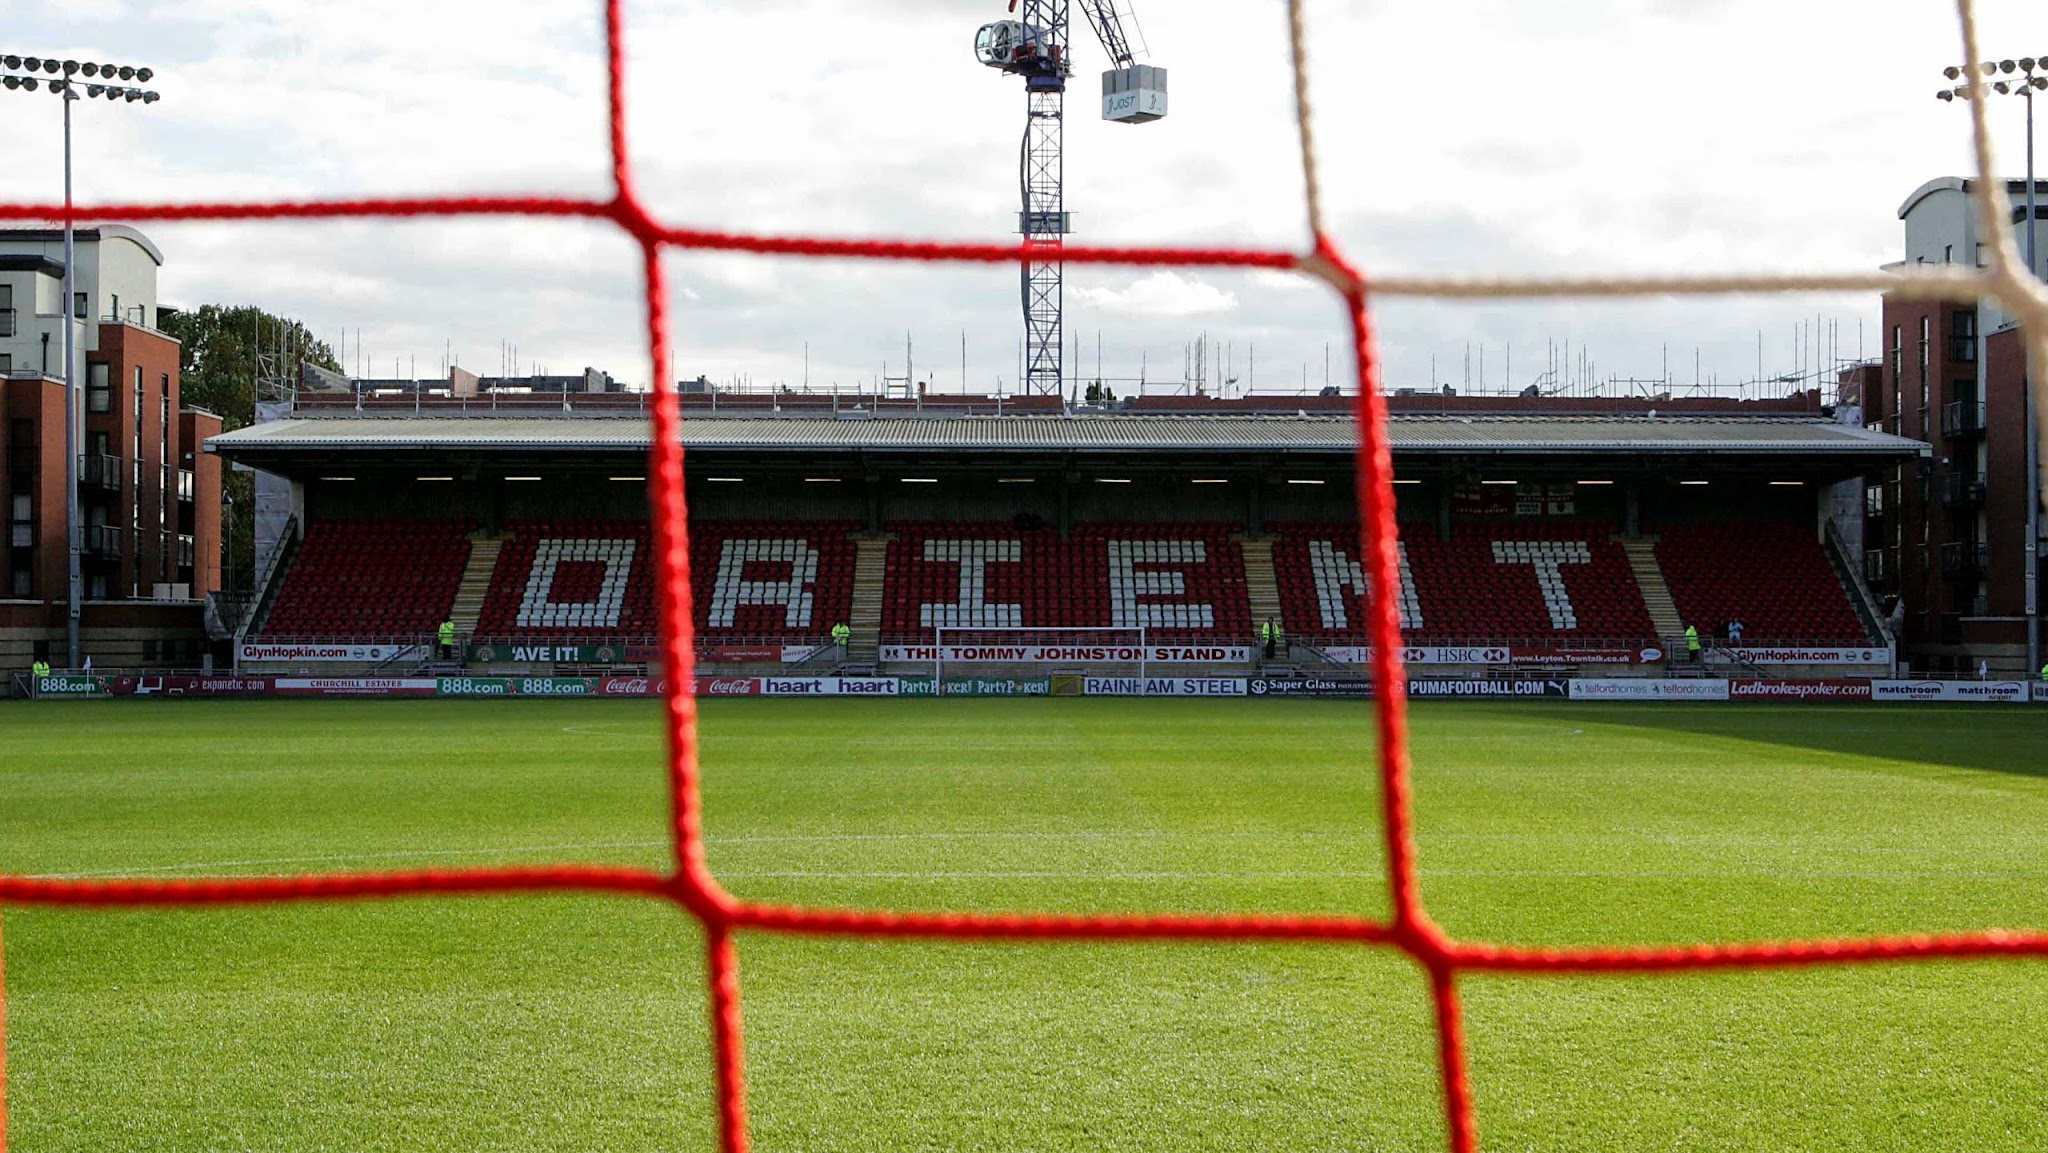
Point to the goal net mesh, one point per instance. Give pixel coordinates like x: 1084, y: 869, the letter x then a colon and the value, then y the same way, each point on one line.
x: 691, y: 885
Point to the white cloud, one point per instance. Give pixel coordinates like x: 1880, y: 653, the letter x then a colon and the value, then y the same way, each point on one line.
x: 1162, y: 293
x: 1461, y: 137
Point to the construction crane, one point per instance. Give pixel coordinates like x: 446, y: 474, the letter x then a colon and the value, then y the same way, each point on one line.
x: 1035, y: 47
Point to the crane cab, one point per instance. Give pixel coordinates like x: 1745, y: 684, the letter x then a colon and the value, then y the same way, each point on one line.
x: 1134, y: 95
x: 1014, y: 46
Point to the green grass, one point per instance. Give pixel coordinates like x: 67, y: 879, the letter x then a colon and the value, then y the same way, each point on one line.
x: 578, y: 1024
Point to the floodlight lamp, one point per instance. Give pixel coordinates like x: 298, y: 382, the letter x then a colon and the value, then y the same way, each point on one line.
x: 1987, y: 67
x: 1945, y: 94
x: 2006, y: 66
x: 150, y: 98
x: 29, y: 82
x: 131, y: 95
x: 127, y: 73
x: 33, y: 64
x: 90, y: 69
x: 11, y: 61
x: 51, y: 66
x: 95, y: 89
x: 2026, y: 63
x: 2001, y: 87
x: 143, y: 74
x: 113, y: 93
x: 70, y: 67
x: 1952, y: 72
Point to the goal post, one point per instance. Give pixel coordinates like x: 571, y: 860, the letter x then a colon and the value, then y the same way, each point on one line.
x: 1104, y: 648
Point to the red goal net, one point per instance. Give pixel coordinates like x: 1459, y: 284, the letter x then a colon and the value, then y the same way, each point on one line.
x: 690, y: 883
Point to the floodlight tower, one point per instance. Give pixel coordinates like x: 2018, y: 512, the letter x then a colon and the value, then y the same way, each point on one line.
x: 18, y: 74
x: 1035, y: 48
x: 2023, y: 78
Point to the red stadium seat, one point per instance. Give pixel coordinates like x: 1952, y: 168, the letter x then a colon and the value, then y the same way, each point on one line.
x: 1774, y: 578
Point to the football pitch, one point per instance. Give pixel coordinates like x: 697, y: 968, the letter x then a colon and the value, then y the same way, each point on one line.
x: 555, y: 1023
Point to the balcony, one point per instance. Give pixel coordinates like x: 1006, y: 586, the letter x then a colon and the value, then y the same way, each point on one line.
x: 185, y: 485
x: 1962, y: 418
x: 100, y: 470
x: 1962, y: 490
x: 102, y: 541
x: 1965, y: 560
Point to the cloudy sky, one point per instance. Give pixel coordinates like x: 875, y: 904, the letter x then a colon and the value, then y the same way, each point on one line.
x: 1460, y: 136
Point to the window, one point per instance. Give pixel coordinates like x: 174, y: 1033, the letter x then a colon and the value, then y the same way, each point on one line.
x: 149, y: 652
x: 1962, y: 336
x: 1926, y: 340
x: 78, y: 306
x: 97, y: 396
x: 22, y: 583
x: 1948, y: 254
x: 6, y: 360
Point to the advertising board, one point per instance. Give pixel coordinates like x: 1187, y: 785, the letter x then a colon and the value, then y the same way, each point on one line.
x: 1559, y: 655
x: 1836, y: 689
x: 828, y: 686
x: 1795, y: 655
x: 1929, y: 690
x: 517, y: 686
x: 1308, y: 687
x: 313, y: 654
x: 354, y: 686
x: 1037, y: 654
x: 978, y: 686
x: 1648, y: 689
x: 1469, y: 688
x: 73, y: 685
x: 1163, y: 686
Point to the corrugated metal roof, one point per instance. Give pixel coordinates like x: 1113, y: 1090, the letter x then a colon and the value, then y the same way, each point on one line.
x: 1416, y: 433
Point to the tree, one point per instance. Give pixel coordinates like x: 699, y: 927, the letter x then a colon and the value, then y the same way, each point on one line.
x: 218, y: 367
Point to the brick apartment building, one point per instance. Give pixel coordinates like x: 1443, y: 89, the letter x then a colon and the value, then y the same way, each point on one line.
x: 149, y: 499
x: 1947, y: 536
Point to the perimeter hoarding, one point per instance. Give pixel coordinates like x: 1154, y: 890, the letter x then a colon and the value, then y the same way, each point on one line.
x: 1361, y: 655
x: 1163, y: 686
x: 1648, y: 689
x: 977, y: 686
x: 1833, y: 689
x: 1995, y: 691
x: 1421, y: 688
x: 354, y: 686
x: 314, y: 654
x: 541, y: 653
x: 1038, y: 654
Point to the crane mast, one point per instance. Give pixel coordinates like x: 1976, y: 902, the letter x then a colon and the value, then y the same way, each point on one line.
x: 1036, y: 48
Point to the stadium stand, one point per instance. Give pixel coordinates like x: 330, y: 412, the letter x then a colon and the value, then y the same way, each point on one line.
x: 1180, y: 581
x: 1773, y: 577
x: 364, y: 578
x: 763, y: 580
x: 1562, y: 580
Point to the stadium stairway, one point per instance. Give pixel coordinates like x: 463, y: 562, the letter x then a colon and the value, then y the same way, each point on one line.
x: 870, y: 568
x: 476, y: 582
x: 1642, y: 561
x: 1261, y: 586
